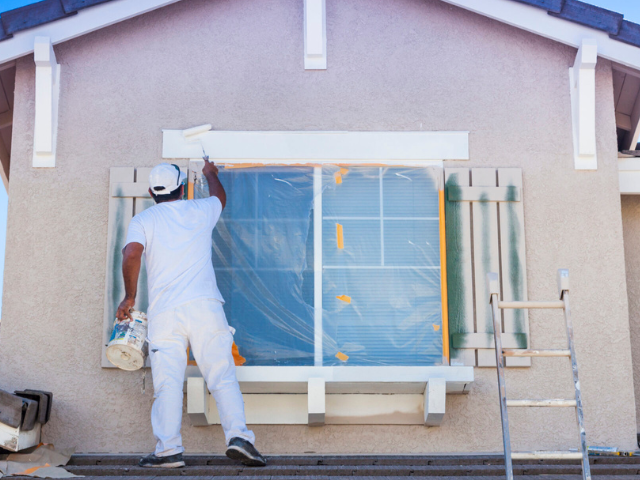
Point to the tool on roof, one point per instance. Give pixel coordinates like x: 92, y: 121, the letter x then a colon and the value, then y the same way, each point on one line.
x: 493, y: 283
x: 22, y: 415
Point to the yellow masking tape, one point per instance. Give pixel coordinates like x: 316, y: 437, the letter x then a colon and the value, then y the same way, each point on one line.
x: 237, y: 358
x: 344, y: 298
x: 436, y: 327
x: 338, y: 178
x: 342, y: 356
x: 344, y: 171
x: 340, y: 236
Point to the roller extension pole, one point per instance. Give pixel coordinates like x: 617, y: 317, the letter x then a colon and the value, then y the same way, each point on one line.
x: 494, y: 290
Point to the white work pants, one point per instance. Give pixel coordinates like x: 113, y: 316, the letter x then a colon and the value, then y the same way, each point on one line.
x: 203, y: 324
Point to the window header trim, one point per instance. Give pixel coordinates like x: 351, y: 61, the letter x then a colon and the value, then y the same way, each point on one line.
x: 317, y: 148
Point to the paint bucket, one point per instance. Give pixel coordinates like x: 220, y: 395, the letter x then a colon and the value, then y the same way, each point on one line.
x: 127, y: 348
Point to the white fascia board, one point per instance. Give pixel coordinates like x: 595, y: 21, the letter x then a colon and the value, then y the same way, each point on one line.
x: 393, y: 148
x: 86, y: 21
x: 538, y: 21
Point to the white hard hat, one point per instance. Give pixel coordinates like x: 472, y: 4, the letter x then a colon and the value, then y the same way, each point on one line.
x: 165, y: 178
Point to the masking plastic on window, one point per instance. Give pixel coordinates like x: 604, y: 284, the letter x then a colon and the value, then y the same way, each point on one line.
x: 378, y: 265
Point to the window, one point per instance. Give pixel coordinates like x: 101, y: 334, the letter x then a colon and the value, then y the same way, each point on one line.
x: 331, y: 266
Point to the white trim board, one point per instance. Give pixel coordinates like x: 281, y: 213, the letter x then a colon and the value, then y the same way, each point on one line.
x: 343, y: 380
x: 538, y: 21
x: 399, y: 148
x: 629, y: 175
x: 86, y: 21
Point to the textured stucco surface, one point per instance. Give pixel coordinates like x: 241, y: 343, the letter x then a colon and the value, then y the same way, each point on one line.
x: 393, y: 65
x: 631, y: 228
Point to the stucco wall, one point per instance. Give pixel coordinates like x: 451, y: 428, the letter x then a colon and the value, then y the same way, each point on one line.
x: 631, y: 229
x: 393, y: 65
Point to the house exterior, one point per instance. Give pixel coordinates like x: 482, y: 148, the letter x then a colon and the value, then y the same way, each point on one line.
x: 533, y: 103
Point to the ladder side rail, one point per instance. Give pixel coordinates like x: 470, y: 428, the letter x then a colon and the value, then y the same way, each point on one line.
x: 586, y: 469
x: 494, y: 288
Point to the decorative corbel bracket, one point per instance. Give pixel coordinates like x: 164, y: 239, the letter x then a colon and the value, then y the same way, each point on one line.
x: 47, y: 96
x: 316, y: 403
x: 583, y: 105
x: 435, y: 399
x: 315, y: 35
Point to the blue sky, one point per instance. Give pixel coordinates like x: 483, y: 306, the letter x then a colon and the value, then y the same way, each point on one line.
x: 630, y: 9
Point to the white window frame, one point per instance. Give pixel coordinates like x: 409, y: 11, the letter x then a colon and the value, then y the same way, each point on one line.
x: 424, y: 149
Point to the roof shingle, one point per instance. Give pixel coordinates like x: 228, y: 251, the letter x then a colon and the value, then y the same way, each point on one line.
x: 75, y: 5
x: 629, y: 33
x: 549, y: 5
x: 32, y: 15
x: 590, y: 15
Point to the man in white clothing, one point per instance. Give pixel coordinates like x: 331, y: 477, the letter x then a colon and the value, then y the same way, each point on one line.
x: 185, y: 308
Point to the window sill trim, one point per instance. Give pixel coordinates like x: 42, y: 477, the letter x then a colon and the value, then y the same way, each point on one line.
x: 344, y: 380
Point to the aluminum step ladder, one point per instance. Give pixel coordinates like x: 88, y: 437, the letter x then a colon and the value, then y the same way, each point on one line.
x: 563, y: 303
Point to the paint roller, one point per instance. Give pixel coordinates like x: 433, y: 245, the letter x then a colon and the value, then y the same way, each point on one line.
x: 194, y: 134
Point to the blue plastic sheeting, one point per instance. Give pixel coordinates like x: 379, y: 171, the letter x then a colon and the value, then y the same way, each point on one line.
x: 264, y: 257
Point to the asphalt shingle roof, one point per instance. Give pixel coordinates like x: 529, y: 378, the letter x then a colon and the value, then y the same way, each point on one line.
x: 30, y: 16
x: 575, y: 11
x: 595, y: 17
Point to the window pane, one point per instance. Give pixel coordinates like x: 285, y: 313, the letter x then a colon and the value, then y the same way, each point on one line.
x: 389, y: 268
x: 260, y: 257
x: 361, y: 242
x: 390, y: 320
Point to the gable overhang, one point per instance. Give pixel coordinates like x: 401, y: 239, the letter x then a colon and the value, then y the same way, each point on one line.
x: 86, y: 21
x: 539, y: 22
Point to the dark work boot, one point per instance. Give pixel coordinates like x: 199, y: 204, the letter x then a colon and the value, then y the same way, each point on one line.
x: 170, y: 461
x: 242, y: 450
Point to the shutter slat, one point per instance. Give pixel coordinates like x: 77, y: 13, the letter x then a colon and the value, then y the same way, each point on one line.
x: 459, y: 266
x: 130, y: 189
x: 480, y: 194
x: 120, y: 214
x: 485, y: 257
x: 512, y: 250
x: 486, y: 340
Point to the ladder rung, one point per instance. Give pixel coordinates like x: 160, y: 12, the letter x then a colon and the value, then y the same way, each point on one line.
x: 517, y: 352
x: 541, y: 403
x: 556, y: 304
x: 549, y: 455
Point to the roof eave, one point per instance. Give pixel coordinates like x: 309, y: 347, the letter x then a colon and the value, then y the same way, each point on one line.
x: 86, y: 21
x: 539, y: 22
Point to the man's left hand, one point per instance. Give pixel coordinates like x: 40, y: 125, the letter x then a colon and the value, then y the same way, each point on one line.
x: 124, y: 309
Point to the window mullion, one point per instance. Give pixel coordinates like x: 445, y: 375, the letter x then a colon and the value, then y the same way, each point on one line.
x: 317, y: 265
x: 381, y: 222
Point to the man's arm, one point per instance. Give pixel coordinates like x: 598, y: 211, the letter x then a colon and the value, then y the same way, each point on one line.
x: 210, y: 172
x: 131, y: 261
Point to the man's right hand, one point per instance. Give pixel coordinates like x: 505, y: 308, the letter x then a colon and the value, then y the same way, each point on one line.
x: 209, y: 169
x: 124, y: 309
